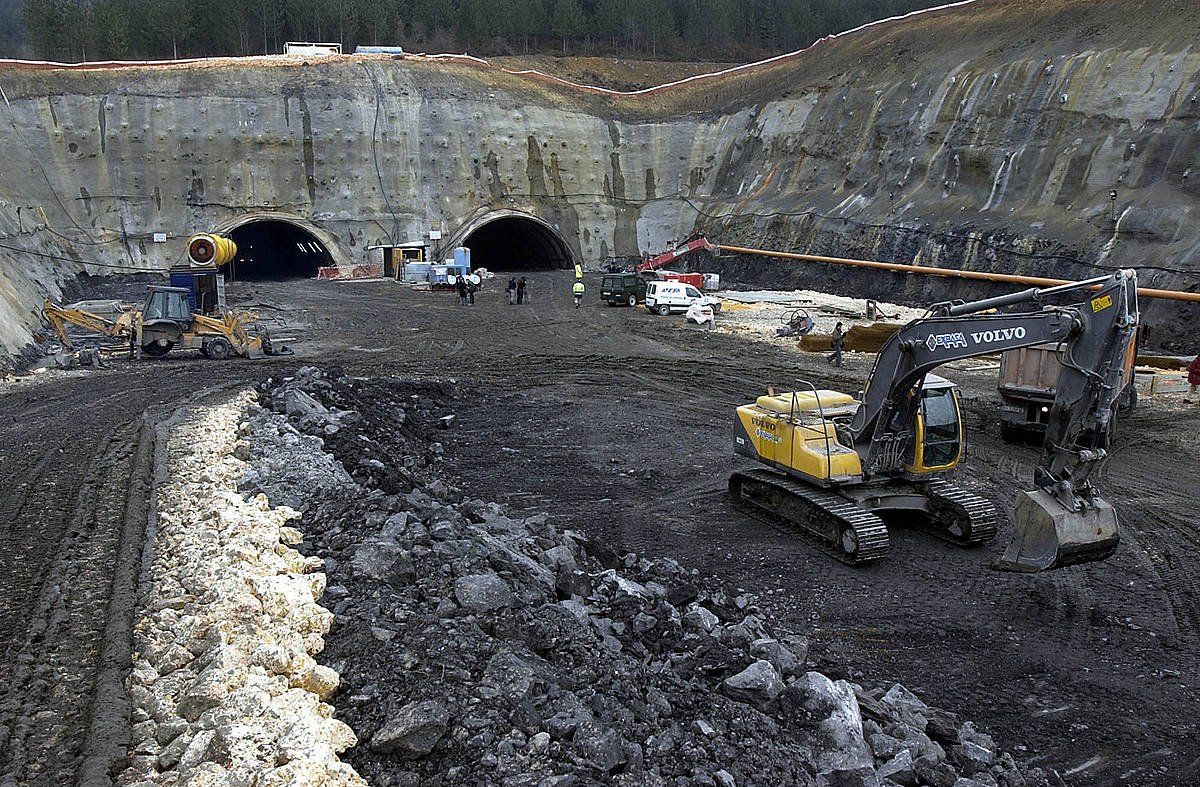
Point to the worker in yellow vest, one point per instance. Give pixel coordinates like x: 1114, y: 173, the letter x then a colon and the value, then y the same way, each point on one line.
x: 578, y: 271
x: 577, y: 289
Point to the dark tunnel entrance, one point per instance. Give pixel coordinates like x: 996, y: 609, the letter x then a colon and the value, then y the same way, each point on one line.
x: 514, y: 243
x: 272, y: 249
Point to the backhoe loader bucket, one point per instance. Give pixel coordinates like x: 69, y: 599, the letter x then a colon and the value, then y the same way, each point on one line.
x: 253, y: 348
x: 1049, y: 535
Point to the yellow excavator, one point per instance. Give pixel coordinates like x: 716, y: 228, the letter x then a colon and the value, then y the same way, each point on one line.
x: 838, y: 461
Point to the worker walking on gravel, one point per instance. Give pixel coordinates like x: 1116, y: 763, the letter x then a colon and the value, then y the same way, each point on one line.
x: 1193, y: 379
x: 577, y: 291
x: 837, y: 339
x: 512, y: 290
x: 521, y: 290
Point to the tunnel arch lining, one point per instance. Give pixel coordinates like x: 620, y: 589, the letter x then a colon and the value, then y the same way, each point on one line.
x: 549, y: 233
x: 327, y: 239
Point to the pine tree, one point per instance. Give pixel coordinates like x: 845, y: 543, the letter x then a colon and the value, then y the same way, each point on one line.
x: 106, y: 29
x: 567, y: 20
x: 167, y: 23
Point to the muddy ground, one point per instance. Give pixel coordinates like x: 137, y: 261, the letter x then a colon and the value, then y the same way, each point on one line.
x: 618, y: 423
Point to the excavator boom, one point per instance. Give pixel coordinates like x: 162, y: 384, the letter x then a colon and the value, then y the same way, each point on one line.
x: 697, y: 243
x: 1062, y: 520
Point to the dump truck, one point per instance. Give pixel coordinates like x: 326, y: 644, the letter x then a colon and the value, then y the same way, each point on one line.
x: 1027, y: 388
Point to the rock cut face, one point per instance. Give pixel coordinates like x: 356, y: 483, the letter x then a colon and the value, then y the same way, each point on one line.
x: 989, y: 135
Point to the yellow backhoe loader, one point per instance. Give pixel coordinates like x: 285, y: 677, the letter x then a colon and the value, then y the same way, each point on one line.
x: 166, y: 322
x: 191, y: 317
x: 839, y: 461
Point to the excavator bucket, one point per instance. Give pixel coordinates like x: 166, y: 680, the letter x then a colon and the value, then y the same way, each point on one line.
x: 1049, y: 535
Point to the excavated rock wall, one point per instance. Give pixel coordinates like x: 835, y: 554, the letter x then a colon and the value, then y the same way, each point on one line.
x: 987, y: 135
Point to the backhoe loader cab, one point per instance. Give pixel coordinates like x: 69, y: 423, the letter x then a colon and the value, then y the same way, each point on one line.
x: 167, y: 303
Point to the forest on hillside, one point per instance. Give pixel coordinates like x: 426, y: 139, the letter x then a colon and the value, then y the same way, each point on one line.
x: 73, y: 30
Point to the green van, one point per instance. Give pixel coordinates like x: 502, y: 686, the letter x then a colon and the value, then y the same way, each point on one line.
x: 627, y: 288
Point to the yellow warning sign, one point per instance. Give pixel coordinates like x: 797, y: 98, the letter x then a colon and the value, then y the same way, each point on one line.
x: 1101, y: 303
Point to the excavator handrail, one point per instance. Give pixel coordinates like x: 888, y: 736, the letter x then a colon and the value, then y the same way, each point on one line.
x: 824, y: 431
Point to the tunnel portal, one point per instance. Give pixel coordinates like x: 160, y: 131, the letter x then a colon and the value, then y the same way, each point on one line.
x: 513, y: 243
x: 269, y: 249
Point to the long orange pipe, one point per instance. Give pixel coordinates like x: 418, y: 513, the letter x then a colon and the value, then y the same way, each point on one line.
x: 1037, y: 281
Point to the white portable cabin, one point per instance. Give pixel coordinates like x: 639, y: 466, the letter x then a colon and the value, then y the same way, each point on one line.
x: 306, y: 49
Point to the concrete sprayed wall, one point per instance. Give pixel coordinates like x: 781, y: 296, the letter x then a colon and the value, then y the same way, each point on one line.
x: 987, y: 135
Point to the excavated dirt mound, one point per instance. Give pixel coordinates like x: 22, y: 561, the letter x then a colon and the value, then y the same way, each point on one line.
x: 474, y: 646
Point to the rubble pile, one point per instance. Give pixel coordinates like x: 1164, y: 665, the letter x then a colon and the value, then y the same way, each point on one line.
x: 475, y: 647
x: 224, y: 685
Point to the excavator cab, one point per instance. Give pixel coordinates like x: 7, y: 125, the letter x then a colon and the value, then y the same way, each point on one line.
x: 938, y: 443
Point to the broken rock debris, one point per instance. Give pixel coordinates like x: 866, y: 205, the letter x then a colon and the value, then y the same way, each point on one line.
x: 478, y: 647
x: 225, y: 686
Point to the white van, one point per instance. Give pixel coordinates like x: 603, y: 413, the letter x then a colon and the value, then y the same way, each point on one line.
x: 664, y: 297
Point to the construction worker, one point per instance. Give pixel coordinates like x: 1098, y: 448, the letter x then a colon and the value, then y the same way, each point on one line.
x: 512, y: 290
x: 578, y: 271
x: 837, y: 339
x: 577, y: 291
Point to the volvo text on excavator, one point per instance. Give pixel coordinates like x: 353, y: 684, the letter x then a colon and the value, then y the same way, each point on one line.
x: 838, y: 462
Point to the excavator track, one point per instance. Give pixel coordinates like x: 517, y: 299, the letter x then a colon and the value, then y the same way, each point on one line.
x: 959, y: 516
x: 837, y: 525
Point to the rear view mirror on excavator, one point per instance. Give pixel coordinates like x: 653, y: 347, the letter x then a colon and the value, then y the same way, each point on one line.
x: 838, y: 462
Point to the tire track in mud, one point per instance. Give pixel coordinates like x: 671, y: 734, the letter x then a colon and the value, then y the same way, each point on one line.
x: 76, y: 468
x: 48, y: 695
x: 1156, y: 524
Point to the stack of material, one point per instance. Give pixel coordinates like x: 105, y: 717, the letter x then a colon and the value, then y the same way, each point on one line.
x: 370, y: 271
x: 860, y: 338
x: 479, y: 647
x: 1155, y: 382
